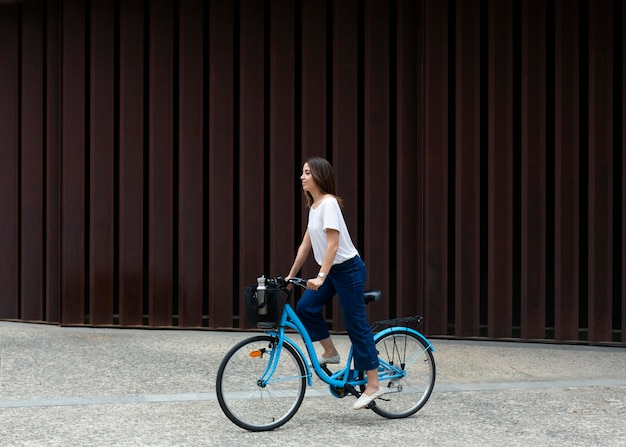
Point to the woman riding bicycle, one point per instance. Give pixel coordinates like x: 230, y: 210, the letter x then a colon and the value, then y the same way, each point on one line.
x: 341, y: 272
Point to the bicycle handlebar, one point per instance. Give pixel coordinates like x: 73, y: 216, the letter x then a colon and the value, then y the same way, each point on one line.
x: 282, y: 283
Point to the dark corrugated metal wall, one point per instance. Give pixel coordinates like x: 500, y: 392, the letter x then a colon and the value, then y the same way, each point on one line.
x: 151, y: 150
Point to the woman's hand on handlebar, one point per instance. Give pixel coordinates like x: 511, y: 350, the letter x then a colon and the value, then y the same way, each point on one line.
x: 289, y: 285
x: 315, y: 283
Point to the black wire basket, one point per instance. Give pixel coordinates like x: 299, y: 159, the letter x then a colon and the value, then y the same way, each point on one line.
x: 255, y: 312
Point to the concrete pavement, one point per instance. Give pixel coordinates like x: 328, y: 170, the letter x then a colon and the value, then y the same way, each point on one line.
x: 132, y: 387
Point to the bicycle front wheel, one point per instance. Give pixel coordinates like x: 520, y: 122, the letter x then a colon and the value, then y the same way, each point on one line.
x: 405, y: 395
x: 245, y: 400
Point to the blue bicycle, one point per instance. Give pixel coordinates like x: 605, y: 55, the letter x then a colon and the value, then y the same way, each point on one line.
x: 262, y: 380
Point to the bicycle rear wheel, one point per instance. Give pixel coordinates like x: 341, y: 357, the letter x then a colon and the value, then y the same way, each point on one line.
x: 406, y: 395
x: 244, y: 400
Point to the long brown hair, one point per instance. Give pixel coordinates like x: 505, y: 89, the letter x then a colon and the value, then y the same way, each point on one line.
x: 322, y: 172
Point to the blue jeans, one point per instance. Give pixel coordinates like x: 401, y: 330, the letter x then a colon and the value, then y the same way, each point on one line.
x: 348, y: 281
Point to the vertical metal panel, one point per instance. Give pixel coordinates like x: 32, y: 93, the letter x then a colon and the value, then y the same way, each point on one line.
x: 221, y: 161
x: 409, y: 165
x: 190, y: 164
x: 280, y: 173
x: 345, y: 119
x: 500, y: 170
x: 436, y: 166
x: 467, y: 181
x: 623, y: 124
x: 314, y: 99
x: 376, y: 225
x: 53, y: 165
x: 101, y: 160
x: 600, y: 170
x: 161, y: 120
x: 251, y: 147
x: 566, y: 174
x: 131, y: 162
x: 73, y: 162
x: 32, y: 101
x: 533, y: 187
x: 313, y: 138
x: 9, y: 199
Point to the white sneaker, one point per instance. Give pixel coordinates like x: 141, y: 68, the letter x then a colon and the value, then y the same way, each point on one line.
x: 333, y: 359
x: 365, y: 400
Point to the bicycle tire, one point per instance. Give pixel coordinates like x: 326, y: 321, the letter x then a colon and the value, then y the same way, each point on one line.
x: 407, y: 395
x: 248, y: 404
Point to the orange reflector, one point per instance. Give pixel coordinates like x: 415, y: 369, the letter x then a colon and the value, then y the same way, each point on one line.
x: 256, y: 353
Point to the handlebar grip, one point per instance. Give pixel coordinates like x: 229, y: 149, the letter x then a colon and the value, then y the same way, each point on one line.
x: 298, y: 282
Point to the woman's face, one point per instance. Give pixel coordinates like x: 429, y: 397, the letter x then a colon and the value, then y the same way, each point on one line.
x: 308, y: 182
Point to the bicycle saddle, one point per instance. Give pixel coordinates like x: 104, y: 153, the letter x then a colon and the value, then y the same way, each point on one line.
x: 372, y: 296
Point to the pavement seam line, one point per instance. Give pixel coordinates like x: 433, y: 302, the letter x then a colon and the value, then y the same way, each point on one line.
x: 196, y: 397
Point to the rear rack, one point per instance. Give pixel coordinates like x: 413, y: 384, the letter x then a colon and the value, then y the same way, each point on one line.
x: 396, y: 321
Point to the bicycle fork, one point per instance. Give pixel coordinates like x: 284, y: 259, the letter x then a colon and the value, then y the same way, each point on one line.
x: 274, y: 353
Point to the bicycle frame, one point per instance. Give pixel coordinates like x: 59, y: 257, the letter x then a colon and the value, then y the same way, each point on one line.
x: 345, y: 376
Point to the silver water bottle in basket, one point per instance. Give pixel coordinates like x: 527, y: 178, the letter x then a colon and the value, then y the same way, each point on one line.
x: 260, y: 294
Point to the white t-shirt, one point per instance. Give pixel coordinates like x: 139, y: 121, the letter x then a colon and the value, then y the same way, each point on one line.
x: 328, y: 215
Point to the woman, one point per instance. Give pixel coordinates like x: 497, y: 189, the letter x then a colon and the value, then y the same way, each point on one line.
x: 341, y: 272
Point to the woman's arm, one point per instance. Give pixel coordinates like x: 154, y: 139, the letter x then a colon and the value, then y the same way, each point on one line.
x: 303, y: 253
x: 332, y: 238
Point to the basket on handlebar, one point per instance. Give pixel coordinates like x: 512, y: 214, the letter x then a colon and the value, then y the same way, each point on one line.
x: 268, y: 312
